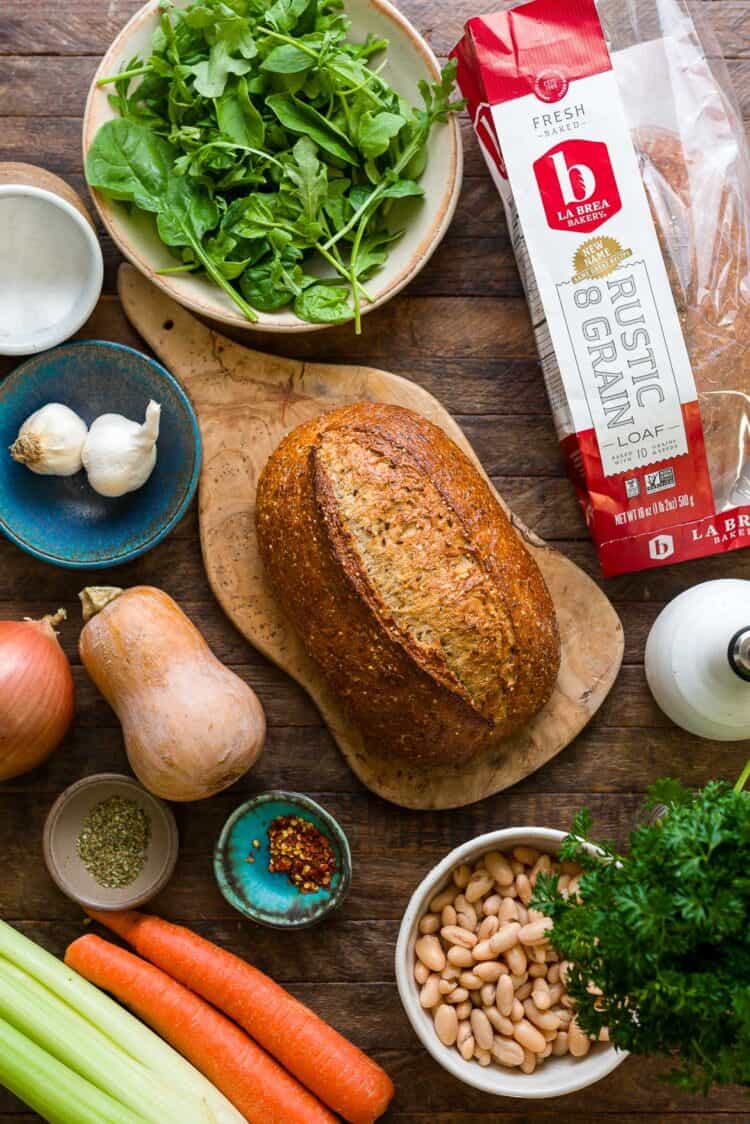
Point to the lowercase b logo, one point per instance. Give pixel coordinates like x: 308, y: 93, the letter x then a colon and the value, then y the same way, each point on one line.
x: 577, y: 185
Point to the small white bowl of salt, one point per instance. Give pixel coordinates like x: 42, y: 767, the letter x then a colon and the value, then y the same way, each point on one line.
x: 51, y: 269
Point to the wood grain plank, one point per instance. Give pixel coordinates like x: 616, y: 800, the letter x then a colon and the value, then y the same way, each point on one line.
x: 89, y: 26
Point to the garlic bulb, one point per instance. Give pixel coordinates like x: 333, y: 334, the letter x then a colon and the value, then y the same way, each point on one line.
x: 50, y: 441
x: 119, y: 455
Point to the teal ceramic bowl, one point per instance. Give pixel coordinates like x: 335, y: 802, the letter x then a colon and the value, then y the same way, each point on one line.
x: 271, y: 899
x: 61, y: 519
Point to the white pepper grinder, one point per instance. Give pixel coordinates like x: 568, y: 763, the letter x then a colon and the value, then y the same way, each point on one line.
x: 698, y: 660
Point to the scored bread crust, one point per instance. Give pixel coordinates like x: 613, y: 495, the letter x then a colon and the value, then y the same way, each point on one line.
x: 409, y: 588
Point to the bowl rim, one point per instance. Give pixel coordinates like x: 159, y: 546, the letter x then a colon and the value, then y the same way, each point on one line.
x: 334, y: 900
x: 469, y: 1074
x: 16, y: 375
x: 91, y: 285
x: 159, y: 806
x: 419, y: 259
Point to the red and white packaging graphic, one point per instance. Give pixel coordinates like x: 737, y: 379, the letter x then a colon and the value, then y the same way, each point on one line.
x: 611, y: 134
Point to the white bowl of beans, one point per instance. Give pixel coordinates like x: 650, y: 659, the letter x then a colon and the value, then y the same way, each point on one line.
x: 479, y: 979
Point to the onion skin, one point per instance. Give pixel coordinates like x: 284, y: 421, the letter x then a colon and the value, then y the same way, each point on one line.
x: 36, y: 695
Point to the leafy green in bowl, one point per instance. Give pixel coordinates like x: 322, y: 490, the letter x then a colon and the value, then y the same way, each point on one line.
x: 263, y: 155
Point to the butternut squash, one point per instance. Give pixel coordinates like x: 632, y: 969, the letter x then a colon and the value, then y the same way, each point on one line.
x: 191, y: 726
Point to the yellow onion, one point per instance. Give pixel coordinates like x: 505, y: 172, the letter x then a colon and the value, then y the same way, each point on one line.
x: 36, y: 693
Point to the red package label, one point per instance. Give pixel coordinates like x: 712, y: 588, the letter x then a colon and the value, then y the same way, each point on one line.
x: 596, y: 189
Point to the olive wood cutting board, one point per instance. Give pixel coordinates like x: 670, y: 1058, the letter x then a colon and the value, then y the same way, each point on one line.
x: 246, y: 402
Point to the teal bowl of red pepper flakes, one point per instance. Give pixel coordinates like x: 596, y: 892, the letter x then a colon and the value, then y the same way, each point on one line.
x: 284, y: 861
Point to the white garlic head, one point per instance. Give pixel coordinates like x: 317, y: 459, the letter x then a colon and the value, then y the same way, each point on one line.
x: 50, y: 441
x: 119, y: 455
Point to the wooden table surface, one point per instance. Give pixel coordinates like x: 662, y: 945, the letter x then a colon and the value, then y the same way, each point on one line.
x: 462, y: 331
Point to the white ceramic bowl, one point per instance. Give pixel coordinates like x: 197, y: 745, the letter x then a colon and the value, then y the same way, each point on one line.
x: 558, y: 1075
x: 409, y: 60
x: 51, y: 269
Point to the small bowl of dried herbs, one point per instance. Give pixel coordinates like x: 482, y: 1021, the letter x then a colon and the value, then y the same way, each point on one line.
x: 110, y: 844
x: 282, y: 860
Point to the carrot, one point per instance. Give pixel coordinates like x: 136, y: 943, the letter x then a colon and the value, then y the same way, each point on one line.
x: 255, y: 1084
x: 337, y: 1071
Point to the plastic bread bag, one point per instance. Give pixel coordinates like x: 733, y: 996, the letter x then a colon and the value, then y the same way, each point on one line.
x: 614, y: 139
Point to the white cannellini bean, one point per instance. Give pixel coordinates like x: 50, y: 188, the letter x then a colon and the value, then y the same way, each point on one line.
x: 515, y: 958
x: 499, y: 1022
x: 458, y: 995
x: 506, y: 1051
x: 579, y: 1043
x: 535, y: 931
x: 461, y: 876
x: 523, y: 990
x: 488, y: 928
x: 421, y: 972
x: 525, y: 855
x: 528, y: 1065
x: 446, y: 1024
x: 529, y: 1036
x: 505, y: 938
x: 460, y: 957
x: 490, y: 971
x: 499, y: 867
x: 538, y: 971
x: 560, y: 1044
x: 463, y: 1010
x: 487, y: 994
x: 484, y: 1057
x: 454, y: 934
x: 491, y: 905
x: 508, y: 911
x: 441, y: 900
x: 481, y: 1029
x: 478, y: 887
x: 504, y: 996
x: 448, y: 916
x: 429, y: 996
x: 523, y: 886
x: 429, y: 950
x: 430, y: 923
x: 517, y: 1011
x: 483, y: 950
x: 470, y: 981
x: 544, y: 1020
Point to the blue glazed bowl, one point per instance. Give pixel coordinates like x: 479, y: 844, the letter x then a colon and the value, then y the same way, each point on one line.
x: 271, y: 899
x: 61, y: 519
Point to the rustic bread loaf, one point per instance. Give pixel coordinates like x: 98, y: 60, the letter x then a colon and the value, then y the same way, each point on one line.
x: 403, y: 576
x: 704, y: 232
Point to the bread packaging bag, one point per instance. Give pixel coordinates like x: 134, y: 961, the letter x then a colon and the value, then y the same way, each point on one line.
x: 612, y: 135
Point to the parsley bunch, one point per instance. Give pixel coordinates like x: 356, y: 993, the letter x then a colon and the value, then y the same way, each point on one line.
x: 664, y: 933
x: 270, y: 150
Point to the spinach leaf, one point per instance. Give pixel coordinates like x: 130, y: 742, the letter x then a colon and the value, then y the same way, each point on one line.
x: 324, y: 304
x: 129, y: 162
x: 288, y: 59
x: 305, y: 121
x: 238, y: 118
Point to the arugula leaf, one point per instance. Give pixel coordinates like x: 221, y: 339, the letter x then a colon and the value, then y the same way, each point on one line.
x: 376, y: 131
x: 309, y: 178
x: 211, y: 74
x: 324, y: 304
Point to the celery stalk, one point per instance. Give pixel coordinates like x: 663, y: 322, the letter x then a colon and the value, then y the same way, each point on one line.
x: 115, y: 1023
x: 51, y: 1089
x: 39, y: 1015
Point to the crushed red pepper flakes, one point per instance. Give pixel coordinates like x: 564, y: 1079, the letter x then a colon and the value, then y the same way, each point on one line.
x: 301, y: 851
